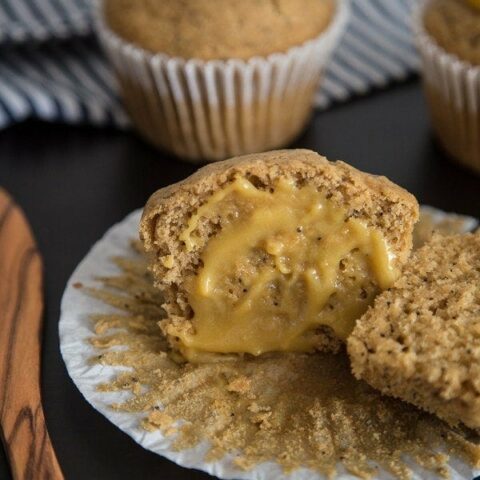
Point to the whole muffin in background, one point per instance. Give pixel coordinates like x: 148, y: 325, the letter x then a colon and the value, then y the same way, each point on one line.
x: 209, y: 79
x: 448, y: 34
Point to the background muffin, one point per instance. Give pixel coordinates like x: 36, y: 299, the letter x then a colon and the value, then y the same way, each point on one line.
x: 214, y: 78
x: 455, y: 26
x: 448, y: 33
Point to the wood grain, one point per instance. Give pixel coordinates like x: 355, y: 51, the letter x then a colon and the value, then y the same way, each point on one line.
x: 22, y: 422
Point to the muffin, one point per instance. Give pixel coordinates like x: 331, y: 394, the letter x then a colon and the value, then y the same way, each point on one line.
x: 277, y: 251
x: 209, y: 79
x: 448, y: 33
x: 421, y: 340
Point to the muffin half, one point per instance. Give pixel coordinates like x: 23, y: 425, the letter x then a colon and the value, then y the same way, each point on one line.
x: 421, y: 340
x: 280, y: 251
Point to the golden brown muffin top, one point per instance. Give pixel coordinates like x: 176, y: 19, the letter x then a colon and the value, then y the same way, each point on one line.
x: 455, y: 26
x: 218, y: 29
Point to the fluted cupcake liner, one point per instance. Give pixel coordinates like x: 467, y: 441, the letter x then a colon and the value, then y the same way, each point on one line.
x: 211, y: 110
x: 452, y: 88
x: 75, y: 334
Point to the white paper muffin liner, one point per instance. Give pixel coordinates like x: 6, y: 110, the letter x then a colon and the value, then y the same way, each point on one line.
x: 75, y: 328
x: 452, y: 88
x: 212, y: 110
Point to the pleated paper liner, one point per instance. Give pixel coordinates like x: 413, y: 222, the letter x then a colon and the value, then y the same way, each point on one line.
x: 83, y: 356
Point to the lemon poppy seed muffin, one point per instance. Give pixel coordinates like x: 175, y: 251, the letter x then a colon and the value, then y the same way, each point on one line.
x: 448, y: 34
x: 218, y: 29
x: 280, y: 251
x: 210, y: 79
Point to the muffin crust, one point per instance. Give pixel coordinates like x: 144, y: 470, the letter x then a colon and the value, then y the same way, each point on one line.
x: 218, y: 29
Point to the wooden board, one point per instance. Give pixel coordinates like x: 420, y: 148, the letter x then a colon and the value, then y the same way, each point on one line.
x: 22, y: 422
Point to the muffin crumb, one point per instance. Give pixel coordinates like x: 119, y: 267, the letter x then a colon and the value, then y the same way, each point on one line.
x: 421, y: 339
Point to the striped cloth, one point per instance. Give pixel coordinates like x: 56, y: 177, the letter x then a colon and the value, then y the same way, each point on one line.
x: 51, y: 67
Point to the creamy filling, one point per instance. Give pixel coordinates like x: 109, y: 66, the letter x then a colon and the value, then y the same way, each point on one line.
x: 284, y: 262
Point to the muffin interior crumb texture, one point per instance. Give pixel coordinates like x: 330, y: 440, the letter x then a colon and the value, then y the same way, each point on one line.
x: 295, y: 409
x: 218, y: 29
x: 455, y: 26
x: 421, y: 340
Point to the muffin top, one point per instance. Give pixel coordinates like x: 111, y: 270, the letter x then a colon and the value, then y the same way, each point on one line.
x: 218, y: 29
x: 455, y: 25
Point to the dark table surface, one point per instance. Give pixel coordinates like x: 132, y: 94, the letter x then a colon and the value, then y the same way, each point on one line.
x: 75, y: 182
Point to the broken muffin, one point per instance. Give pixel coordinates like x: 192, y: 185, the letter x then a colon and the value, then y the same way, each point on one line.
x: 421, y: 340
x: 279, y: 251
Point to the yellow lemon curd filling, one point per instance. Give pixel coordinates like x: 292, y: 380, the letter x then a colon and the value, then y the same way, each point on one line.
x: 285, y: 262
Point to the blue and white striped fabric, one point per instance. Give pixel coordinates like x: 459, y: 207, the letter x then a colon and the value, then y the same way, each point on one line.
x: 51, y: 67
x: 39, y: 20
